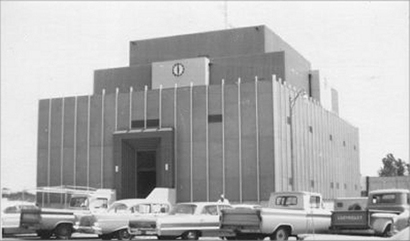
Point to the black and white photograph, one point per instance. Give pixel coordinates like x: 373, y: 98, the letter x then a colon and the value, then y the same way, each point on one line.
x: 209, y: 120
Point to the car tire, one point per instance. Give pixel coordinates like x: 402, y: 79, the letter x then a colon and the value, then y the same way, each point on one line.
x: 281, y: 233
x: 191, y: 235
x: 63, y: 231
x: 123, y: 234
x: 106, y: 236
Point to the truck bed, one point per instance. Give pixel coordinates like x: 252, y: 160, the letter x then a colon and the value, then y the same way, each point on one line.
x: 350, y: 220
x: 245, y: 220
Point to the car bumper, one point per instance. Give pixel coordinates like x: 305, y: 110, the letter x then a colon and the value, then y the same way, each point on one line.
x: 143, y: 232
x: 88, y: 229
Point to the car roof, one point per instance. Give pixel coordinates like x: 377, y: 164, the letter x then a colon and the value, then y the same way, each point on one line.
x: 134, y: 201
x: 296, y: 193
x: 205, y: 203
x: 395, y: 190
x: 8, y: 204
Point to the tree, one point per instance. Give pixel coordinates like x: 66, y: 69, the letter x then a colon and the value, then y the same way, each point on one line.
x: 393, y: 167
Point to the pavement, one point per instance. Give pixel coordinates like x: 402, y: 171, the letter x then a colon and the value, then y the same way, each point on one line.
x: 402, y: 235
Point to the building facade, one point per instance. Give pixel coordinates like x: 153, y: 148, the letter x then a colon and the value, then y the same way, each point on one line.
x: 207, y: 113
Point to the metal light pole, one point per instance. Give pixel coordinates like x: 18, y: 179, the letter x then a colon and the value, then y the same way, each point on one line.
x: 292, y: 102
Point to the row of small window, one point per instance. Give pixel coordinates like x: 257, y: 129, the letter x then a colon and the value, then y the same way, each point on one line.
x: 154, y: 123
x: 312, y: 184
x: 338, y: 186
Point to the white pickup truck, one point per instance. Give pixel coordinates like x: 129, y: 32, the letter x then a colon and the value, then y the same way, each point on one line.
x: 287, y: 214
x: 58, y: 207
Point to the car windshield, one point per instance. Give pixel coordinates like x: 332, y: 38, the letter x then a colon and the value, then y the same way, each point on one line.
x: 119, y: 208
x: 79, y: 202
x: 184, y: 209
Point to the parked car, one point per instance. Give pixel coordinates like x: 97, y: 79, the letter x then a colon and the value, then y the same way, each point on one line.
x: 10, y: 218
x: 186, y: 220
x: 114, y: 222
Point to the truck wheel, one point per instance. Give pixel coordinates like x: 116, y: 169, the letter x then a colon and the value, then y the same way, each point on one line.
x: 190, y: 235
x: 123, y: 234
x: 44, y: 234
x: 64, y: 231
x: 167, y: 237
x: 387, y: 232
x: 281, y: 233
x: 106, y: 236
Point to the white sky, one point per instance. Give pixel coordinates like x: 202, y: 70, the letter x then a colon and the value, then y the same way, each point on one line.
x: 50, y: 49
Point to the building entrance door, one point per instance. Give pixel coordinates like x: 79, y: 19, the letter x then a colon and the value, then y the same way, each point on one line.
x: 143, y: 160
x: 146, y: 173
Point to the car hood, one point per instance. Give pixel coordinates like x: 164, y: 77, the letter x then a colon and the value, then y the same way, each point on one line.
x: 178, y: 218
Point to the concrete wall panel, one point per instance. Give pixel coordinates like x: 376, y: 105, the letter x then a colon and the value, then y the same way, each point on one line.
x: 42, y: 142
x: 55, y: 141
x: 123, y: 112
x: 213, y: 44
x: 96, y: 120
x: 199, y: 154
x: 82, y: 132
x: 109, y: 119
x: 231, y: 142
x: 248, y: 133
x: 42, y: 167
x: 247, y: 67
x: 183, y: 150
x: 266, y: 145
x: 153, y: 104
x: 167, y: 106
x: 68, y: 141
x: 109, y: 167
x: 215, y: 143
x: 43, y: 111
x: 138, y: 111
x: 122, y: 78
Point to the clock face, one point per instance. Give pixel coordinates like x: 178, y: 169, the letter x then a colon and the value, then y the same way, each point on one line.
x: 178, y: 69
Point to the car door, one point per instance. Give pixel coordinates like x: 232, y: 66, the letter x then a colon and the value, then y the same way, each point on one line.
x: 115, y: 218
x: 11, y: 217
x: 209, y: 217
x: 318, y: 217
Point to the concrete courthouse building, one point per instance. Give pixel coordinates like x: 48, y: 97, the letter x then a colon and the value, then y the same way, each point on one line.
x: 205, y: 113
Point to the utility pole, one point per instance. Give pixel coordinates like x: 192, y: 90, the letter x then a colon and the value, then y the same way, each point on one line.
x: 292, y: 102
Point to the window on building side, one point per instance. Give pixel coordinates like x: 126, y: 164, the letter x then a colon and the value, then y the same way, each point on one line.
x: 331, y: 137
x: 214, y: 118
x: 310, y: 129
x: 136, y: 124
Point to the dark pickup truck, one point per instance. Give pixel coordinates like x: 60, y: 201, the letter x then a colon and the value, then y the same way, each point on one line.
x: 387, y: 212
